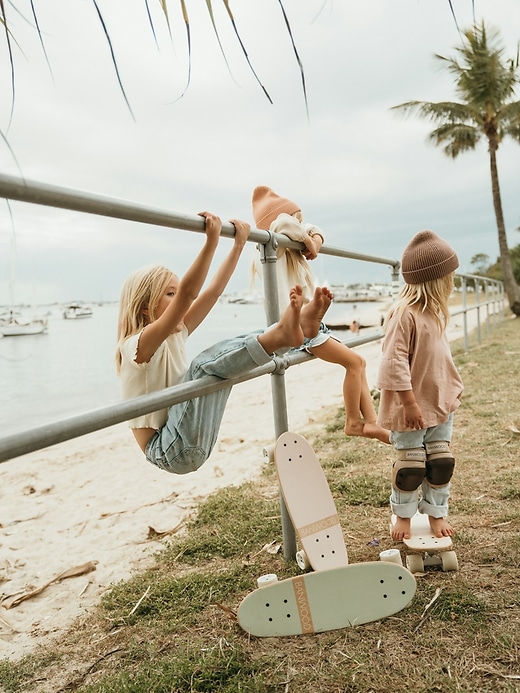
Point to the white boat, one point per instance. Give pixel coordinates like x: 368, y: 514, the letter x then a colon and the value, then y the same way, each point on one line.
x: 15, y: 325
x: 77, y: 310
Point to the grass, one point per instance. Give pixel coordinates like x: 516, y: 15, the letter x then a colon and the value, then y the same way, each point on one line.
x: 172, y: 629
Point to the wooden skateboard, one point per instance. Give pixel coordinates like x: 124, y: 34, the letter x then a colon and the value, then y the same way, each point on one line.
x: 327, y: 599
x: 310, y: 504
x: 425, y: 549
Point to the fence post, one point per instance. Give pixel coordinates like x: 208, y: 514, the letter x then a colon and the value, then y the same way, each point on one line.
x: 281, y: 424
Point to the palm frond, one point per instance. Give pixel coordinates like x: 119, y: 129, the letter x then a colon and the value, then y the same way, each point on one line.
x: 164, y: 6
x: 458, y: 137
x: 510, y: 113
x: 11, y: 61
x: 11, y: 152
x: 297, y: 56
x: 438, y: 112
x: 188, y: 41
x: 455, y: 18
x: 232, y: 19
x: 509, y: 120
x: 150, y: 21
x: 212, y: 17
x: 112, y: 54
x: 36, y: 23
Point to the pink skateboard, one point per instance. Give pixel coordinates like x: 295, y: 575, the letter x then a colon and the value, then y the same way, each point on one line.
x: 310, y: 504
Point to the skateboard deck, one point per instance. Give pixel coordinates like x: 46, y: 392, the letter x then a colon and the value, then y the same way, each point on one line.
x: 425, y: 548
x: 309, y: 503
x: 327, y: 600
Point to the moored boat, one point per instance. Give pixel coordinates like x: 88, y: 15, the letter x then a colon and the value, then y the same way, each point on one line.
x: 77, y: 310
x: 15, y: 325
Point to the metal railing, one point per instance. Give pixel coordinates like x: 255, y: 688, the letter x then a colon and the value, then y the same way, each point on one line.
x: 15, y: 445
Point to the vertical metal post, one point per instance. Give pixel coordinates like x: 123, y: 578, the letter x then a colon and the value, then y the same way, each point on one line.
x: 477, y: 298
x: 465, y: 314
x: 281, y: 424
x: 395, y: 281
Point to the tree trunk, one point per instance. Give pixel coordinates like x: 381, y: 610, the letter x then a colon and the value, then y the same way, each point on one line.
x: 511, y: 287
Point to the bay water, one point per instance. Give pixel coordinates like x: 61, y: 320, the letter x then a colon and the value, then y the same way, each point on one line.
x: 71, y: 369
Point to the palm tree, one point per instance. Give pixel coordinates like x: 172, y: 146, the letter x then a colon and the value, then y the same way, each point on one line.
x: 486, y: 83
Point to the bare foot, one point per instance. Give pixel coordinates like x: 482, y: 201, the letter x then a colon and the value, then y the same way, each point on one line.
x: 401, y: 528
x: 287, y: 331
x: 312, y: 314
x: 367, y: 429
x: 441, y: 527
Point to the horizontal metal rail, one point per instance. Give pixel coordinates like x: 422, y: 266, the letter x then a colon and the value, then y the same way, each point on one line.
x: 13, y: 188
x: 23, y: 442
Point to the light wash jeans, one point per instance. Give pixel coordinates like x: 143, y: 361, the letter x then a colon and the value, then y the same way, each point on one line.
x: 187, y: 438
x: 434, y: 501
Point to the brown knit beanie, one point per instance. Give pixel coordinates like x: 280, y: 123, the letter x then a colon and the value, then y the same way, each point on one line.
x: 267, y: 205
x: 427, y: 257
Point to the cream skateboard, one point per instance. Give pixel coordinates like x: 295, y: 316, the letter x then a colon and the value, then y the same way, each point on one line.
x: 310, y: 504
x: 425, y: 549
x: 327, y: 599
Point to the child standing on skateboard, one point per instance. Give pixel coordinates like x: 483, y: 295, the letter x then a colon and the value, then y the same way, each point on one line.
x: 157, y: 313
x: 279, y: 215
x: 420, y: 386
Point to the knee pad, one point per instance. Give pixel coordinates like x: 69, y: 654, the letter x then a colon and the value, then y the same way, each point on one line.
x: 409, y: 469
x: 439, y: 463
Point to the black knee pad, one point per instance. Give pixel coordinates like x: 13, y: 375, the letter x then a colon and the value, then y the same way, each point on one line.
x: 440, y: 463
x: 409, y: 469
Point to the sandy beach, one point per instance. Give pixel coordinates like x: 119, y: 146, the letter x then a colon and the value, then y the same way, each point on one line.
x: 91, y: 503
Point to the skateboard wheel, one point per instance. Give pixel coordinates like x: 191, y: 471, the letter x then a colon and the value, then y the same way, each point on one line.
x: 449, y: 561
x: 415, y: 563
x: 268, y: 453
x: 302, y: 560
x: 268, y: 579
x: 391, y: 556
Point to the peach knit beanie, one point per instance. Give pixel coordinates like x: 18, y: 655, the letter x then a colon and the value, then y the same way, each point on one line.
x: 427, y: 257
x: 267, y: 205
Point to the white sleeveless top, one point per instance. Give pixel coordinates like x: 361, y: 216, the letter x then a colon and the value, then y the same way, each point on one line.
x: 166, y: 368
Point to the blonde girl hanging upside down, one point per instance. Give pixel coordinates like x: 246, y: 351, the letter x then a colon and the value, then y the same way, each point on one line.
x: 157, y: 313
x: 420, y: 386
x: 279, y: 215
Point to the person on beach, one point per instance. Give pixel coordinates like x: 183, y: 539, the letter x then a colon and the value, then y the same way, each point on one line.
x: 279, y: 215
x: 158, y: 312
x: 420, y: 385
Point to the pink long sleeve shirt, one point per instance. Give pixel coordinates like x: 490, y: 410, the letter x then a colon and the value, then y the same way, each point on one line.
x: 417, y: 356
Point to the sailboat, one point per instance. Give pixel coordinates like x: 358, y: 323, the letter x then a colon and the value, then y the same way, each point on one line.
x: 77, y: 310
x: 13, y: 324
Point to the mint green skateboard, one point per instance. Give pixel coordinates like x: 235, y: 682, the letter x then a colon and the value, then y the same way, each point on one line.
x: 327, y: 599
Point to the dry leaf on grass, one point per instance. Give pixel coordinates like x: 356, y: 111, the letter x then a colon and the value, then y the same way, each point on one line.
x: 12, y: 600
x: 167, y: 499
x: 273, y: 547
x: 229, y: 612
x: 158, y: 534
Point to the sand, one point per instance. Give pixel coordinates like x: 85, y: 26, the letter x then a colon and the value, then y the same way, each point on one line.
x: 91, y: 503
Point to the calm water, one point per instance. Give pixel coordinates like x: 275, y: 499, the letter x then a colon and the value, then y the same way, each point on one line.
x: 70, y: 369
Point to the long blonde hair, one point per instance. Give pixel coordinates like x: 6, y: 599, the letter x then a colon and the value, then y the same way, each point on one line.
x: 432, y: 297
x: 141, y: 290
x: 298, y: 270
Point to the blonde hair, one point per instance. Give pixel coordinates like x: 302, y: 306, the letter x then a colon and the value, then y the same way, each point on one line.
x: 298, y: 270
x: 432, y: 296
x: 141, y: 290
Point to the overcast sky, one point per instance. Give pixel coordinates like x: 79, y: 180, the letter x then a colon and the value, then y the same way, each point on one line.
x: 364, y: 174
